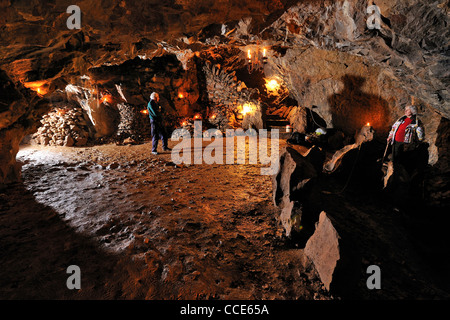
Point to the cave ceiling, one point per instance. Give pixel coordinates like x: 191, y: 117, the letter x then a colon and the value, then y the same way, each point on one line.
x: 412, y: 44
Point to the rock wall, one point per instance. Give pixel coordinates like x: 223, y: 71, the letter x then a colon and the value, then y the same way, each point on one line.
x: 322, y: 49
x: 348, y: 92
x: 410, y: 45
x: 19, y: 114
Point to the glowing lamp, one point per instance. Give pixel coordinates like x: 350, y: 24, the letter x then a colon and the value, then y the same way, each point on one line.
x: 37, y: 86
x: 197, y: 116
x: 106, y: 98
x: 180, y: 95
x: 246, y: 108
x: 368, y: 124
x: 272, y: 85
x: 249, y: 54
x: 145, y: 111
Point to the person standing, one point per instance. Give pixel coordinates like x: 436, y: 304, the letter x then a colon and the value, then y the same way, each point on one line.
x: 409, y: 159
x: 405, y: 132
x: 158, y: 130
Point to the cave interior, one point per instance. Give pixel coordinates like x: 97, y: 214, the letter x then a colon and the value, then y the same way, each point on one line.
x: 79, y: 185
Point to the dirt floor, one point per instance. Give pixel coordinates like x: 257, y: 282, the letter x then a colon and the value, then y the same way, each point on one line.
x: 141, y: 227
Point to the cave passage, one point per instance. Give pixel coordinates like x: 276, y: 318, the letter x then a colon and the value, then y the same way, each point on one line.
x: 301, y: 210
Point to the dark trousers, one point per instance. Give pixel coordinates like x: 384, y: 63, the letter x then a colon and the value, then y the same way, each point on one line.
x: 158, y: 132
x: 397, y: 152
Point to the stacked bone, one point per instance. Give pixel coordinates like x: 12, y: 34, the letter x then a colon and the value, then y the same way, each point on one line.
x: 224, y: 88
x: 63, y: 127
x: 133, y: 124
x: 226, y: 94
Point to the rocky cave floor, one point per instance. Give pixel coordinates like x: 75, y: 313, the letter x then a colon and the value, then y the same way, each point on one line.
x: 140, y: 227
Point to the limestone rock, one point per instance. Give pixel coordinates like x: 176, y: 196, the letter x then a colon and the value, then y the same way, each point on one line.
x: 292, y: 185
x: 365, y: 134
x: 298, y: 119
x: 323, y: 249
x: 68, y: 141
x: 254, y: 119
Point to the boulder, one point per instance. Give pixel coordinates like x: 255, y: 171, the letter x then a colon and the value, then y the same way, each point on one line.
x: 68, y: 141
x: 332, y: 253
x: 292, y: 187
x: 298, y: 119
x: 254, y: 119
x: 365, y: 135
x: 323, y: 249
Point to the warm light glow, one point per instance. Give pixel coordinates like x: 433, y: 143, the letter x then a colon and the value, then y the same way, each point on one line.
x: 246, y: 108
x: 213, y: 116
x: 36, y: 86
x: 181, y: 95
x: 145, y: 111
x: 368, y: 124
x: 288, y: 128
x: 272, y: 85
x: 106, y: 98
x: 184, y: 123
x: 197, y: 116
x: 264, y: 52
x: 249, y: 54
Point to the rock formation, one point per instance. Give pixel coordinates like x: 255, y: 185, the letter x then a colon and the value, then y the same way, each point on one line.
x: 323, y: 249
x: 338, y: 71
x: 292, y: 188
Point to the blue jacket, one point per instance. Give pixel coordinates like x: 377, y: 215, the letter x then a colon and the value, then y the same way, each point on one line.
x: 154, y: 112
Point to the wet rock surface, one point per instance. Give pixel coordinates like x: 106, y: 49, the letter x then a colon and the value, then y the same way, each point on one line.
x: 139, y: 228
x: 97, y: 200
x: 394, y: 228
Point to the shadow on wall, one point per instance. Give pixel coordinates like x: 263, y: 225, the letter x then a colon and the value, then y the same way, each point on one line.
x: 351, y: 108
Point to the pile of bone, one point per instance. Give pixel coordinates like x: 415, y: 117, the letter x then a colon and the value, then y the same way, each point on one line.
x: 63, y: 127
x: 224, y: 88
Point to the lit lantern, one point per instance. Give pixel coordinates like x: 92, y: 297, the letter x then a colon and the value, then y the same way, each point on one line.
x: 180, y: 95
x: 197, y: 116
x: 368, y: 124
